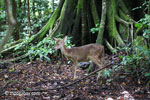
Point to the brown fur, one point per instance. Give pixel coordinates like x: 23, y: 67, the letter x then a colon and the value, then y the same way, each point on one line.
x: 93, y: 52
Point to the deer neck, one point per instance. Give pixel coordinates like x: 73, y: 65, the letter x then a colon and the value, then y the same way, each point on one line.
x: 64, y: 50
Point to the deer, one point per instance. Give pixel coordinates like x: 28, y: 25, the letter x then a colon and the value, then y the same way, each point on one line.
x: 90, y: 52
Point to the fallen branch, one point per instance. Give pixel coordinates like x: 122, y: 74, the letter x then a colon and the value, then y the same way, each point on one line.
x: 60, y: 87
x: 15, y: 59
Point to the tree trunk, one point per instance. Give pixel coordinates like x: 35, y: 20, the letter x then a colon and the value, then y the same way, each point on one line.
x: 84, y: 22
x: 29, y: 19
x: 102, y: 24
x: 77, y: 17
x: 12, y: 22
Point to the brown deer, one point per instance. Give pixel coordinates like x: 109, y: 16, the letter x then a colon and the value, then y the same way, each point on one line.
x: 93, y: 52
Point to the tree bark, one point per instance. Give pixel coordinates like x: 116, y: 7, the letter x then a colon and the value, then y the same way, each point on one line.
x: 111, y: 16
x: 94, y: 12
x: 102, y: 24
x: 12, y: 22
x: 15, y: 34
x: 75, y: 30
x: 73, y: 17
x: 29, y: 22
x: 84, y: 22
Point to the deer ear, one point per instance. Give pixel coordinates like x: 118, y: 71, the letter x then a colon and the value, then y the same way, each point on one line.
x: 65, y: 38
x: 55, y: 39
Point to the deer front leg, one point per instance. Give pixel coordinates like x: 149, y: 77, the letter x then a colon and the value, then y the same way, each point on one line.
x: 75, y: 69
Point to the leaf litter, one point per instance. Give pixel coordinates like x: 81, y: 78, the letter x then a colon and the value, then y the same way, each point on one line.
x: 16, y: 79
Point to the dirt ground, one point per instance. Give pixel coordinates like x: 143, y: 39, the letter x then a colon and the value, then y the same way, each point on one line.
x: 16, y: 80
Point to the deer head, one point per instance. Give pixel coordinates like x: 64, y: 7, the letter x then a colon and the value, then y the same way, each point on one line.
x: 59, y: 43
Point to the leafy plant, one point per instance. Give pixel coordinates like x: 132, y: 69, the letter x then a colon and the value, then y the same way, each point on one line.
x: 137, y: 60
x: 146, y: 23
x: 95, y: 29
x: 68, y: 42
x: 107, y: 73
x: 44, y: 49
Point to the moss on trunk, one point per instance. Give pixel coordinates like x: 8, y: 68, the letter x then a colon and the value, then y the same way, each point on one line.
x: 77, y: 17
x: 111, y: 16
x: 102, y: 23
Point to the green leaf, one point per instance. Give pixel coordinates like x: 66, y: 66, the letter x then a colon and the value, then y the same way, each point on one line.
x: 138, y: 25
x: 147, y: 74
x: 107, y: 73
x: 122, y: 76
x: 28, y: 89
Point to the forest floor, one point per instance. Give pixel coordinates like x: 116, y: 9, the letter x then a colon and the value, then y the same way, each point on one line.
x: 17, y: 79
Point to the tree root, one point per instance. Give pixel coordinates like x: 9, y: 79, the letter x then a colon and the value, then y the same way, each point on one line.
x: 110, y: 46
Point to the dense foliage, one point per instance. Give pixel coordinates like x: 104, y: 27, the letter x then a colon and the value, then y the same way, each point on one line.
x: 39, y: 11
x: 33, y: 15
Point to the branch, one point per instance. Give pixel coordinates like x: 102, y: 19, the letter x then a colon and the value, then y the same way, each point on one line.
x: 17, y: 58
x: 52, y: 33
x: 59, y: 87
x: 122, y: 21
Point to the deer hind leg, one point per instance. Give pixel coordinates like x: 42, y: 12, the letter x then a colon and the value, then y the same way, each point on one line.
x: 101, y: 73
x: 98, y: 62
x: 101, y: 62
